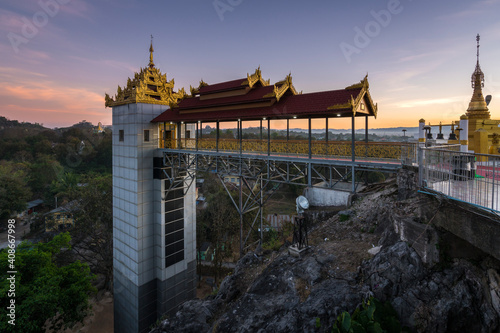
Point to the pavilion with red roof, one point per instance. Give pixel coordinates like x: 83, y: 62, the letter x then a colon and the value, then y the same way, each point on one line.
x: 253, y: 98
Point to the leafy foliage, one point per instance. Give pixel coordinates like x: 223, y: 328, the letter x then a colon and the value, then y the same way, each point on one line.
x: 45, y: 290
x: 93, y: 229
x: 373, y: 317
x: 14, y: 192
x: 271, y: 240
x: 219, y: 222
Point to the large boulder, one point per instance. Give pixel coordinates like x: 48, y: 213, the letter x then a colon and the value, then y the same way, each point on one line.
x: 454, y: 299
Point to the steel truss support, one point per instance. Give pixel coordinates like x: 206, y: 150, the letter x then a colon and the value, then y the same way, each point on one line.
x: 179, y: 170
x: 256, y: 174
x: 251, y: 199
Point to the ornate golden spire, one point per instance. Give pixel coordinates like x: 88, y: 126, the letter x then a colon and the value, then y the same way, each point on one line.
x: 151, y: 50
x: 477, y: 106
x: 150, y: 85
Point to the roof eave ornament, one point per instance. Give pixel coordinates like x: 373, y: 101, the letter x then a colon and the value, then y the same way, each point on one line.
x: 254, y: 78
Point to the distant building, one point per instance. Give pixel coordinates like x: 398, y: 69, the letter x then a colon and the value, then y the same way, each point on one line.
x: 232, y: 179
x: 60, y: 218
x: 32, y: 207
x: 483, y: 132
x: 204, y: 253
x: 99, y: 128
x: 475, y: 131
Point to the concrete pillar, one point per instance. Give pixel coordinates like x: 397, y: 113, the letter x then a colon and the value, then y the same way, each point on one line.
x: 464, y: 134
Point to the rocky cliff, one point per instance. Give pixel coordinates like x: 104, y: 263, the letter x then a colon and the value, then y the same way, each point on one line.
x: 281, y: 293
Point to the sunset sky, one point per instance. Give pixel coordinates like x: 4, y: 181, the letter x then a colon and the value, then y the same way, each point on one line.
x: 59, y: 57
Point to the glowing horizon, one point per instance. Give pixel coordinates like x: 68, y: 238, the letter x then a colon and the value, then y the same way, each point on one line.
x: 61, y: 56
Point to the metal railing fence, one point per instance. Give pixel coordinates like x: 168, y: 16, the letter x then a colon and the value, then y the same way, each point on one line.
x: 469, y: 177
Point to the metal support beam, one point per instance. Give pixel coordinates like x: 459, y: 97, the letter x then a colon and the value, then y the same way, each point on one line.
x: 268, y: 137
x: 353, y: 153
x: 241, y: 216
x: 180, y: 167
x: 310, y: 148
x: 196, y: 134
x: 261, y: 210
x: 179, y: 128
x: 366, y: 136
x: 366, y: 129
x: 326, y: 136
x: 217, y: 136
x: 287, y: 135
x: 240, y: 134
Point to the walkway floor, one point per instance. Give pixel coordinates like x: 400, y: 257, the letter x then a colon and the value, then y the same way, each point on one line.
x: 477, y: 191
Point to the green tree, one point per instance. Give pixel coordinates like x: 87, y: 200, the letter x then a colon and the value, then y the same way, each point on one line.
x: 221, y: 221
x: 43, y: 171
x: 64, y: 187
x: 45, y: 291
x: 93, y: 229
x: 14, y: 193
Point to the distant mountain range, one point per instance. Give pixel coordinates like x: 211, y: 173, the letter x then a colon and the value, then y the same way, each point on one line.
x: 390, y: 131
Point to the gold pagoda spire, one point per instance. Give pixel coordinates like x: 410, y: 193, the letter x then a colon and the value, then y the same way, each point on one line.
x: 149, y: 85
x: 151, y: 50
x: 477, y: 106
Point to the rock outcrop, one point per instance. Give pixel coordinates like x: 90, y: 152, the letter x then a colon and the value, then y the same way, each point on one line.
x: 452, y: 299
x: 282, y: 293
x: 287, y: 296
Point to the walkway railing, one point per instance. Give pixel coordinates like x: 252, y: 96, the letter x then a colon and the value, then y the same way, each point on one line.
x: 378, y: 151
x: 468, y: 177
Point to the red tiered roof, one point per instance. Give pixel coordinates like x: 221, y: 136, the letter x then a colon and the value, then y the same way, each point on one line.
x: 261, y: 102
x: 255, y: 95
x: 223, y: 86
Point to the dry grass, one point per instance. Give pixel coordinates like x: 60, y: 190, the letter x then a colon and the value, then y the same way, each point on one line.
x: 303, y: 289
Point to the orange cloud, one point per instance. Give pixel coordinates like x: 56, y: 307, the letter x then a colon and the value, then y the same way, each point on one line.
x: 36, y: 100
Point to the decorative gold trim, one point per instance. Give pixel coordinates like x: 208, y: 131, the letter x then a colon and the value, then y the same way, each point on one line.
x: 148, y: 86
x: 354, y: 102
x: 347, y: 105
x: 254, y: 78
x: 464, y: 142
x: 194, y: 91
x: 422, y: 120
x: 421, y: 139
x: 363, y: 84
x: 281, y: 87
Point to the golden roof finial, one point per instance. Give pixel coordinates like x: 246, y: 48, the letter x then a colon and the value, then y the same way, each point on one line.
x: 478, y: 109
x: 477, y: 39
x: 151, y: 50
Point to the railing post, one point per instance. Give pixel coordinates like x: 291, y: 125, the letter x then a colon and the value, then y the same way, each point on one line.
x: 287, y: 134
x: 179, y: 129
x: 309, y: 174
x: 353, y: 153
x: 217, y: 137
x: 268, y: 137
x: 196, y: 137
x: 326, y: 136
x: 240, y: 134
x: 366, y: 136
x: 310, y: 148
